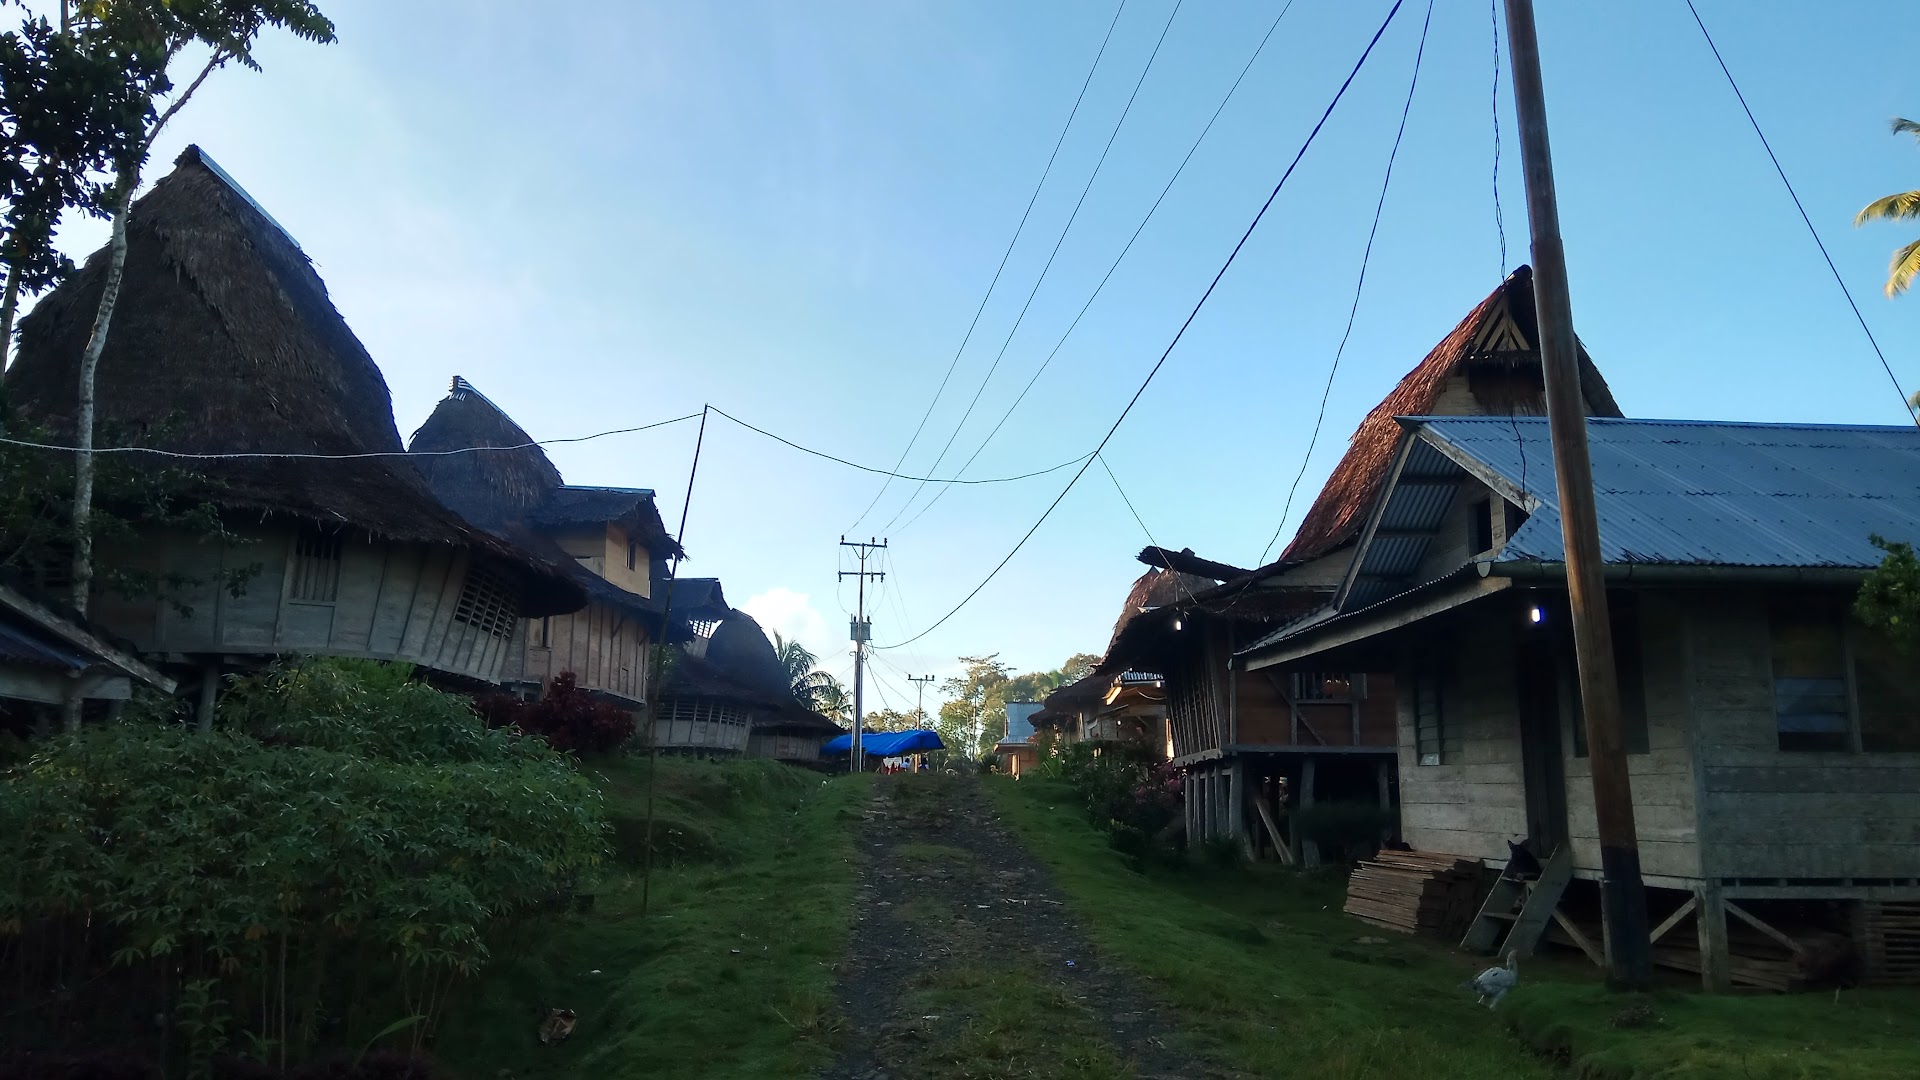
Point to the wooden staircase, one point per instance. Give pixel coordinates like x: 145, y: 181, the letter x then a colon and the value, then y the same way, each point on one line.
x: 1516, y: 913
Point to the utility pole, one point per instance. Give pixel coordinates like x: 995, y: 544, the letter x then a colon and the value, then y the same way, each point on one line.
x: 861, y: 631
x: 920, y: 707
x: 1622, y: 892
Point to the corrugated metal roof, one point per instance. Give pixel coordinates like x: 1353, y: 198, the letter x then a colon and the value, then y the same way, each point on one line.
x: 1694, y: 492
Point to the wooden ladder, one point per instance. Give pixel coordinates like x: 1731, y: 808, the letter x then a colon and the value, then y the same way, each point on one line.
x: 1499, y: 929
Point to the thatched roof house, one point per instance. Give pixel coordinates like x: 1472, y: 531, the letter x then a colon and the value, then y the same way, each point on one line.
x: 726, y: 692
x: 224, y: 341
x: 481, y: 462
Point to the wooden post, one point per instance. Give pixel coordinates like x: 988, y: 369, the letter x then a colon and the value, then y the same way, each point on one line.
x: 1623, y: 893
x: 1236, y: 797
x: 209, y: 687
x: 1309, y: 849
x: 1383, y: 779
x: 1710, y: 914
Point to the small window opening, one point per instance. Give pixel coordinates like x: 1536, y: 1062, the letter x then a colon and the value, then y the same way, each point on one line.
x: 488, y: 603
x: 633, y: 554
x: 316, y: 567
x: 1480, y: 524
x: 1516, y: 517
x: 1810, y: 705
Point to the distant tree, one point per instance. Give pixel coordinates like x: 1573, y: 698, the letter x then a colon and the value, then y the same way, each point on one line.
x: 974, y: 716
x: 891, y: 720
x: 1900, y: 206
x: 1890, y: 597
x: 811, y: 686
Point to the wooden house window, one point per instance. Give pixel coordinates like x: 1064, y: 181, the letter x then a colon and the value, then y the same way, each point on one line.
x: 487, y: 603
x: 546, y: 631
x: 1480, y: 526
x: 633, y: 554
x: 316, y: 567
x: 1810, y: 706
x: 1429, y: 718
x: 1314, y: 687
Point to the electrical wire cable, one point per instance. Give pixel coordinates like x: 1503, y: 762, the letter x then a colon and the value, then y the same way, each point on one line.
x: 1178, y: 580
x: 887, y: 472
x: 1499, y: 220
x: 237, y: 455
x: 1004, y: 256
x: 1359, y: 286
x: 1797, y: 205
x: 1059, y: 241
x: 1111, y: 267
x: 1168, y: 351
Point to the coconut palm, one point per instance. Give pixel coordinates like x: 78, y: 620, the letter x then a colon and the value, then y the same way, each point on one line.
x: 811, y: 686
x: 1900, y: 206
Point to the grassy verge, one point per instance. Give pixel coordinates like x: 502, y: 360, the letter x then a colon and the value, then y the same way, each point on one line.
x: 1262, y: 967
x: 731, y: 973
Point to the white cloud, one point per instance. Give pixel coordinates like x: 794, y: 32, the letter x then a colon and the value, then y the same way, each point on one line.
x: 796, y: 619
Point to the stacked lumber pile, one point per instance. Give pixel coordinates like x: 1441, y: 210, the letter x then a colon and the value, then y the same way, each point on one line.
x: 1415, y: 892
x: 1893, y: 943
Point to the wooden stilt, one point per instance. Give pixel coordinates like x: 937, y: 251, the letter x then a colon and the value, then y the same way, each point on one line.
x: 1309, y: 849
x: 1715, y: 974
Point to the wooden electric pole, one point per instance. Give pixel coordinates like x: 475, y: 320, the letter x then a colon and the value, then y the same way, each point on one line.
x: 920, y: 708
x: 1622, y: 893
x: 861, y: 631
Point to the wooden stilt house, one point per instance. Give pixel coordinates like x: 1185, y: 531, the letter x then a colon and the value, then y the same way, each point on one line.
x: 225, y: 342
x: 1773, y: 741
x: 483, y: 464
x: 726, y: 694
x: 1262, y: 746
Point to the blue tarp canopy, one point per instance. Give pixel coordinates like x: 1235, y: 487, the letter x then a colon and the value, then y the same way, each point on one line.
x: 886, y: 743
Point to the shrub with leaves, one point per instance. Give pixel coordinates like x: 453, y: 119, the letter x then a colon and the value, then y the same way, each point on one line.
x: 566, y: 716
x: 342, y: 816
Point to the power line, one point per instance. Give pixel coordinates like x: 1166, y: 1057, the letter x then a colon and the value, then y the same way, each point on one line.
x: 1178, y: 581
x: 350, y: 457
x: 1499, y: 220
x: 888, y: 472
x: 1359, y: 286
x: 1115, y: 265
x: 1815, y: 233
x: 1085, y: 189
x: 1161, y: 362
x: 1004, y: 256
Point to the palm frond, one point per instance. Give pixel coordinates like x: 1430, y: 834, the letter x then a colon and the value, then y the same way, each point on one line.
x: 1900, y: 206
x: 1903, y: 126
x: 1905, y: 267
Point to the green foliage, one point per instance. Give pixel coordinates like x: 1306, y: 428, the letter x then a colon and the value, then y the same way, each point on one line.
x: 339, y: 806
x: 891, y: 720
x: 1889, y: 599
x: 568, y: 717
x: 1899, y: 206
x: 729, y: 972
x: 36, y: 511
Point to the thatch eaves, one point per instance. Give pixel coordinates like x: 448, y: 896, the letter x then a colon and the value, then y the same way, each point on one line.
x: 1498, y: 339
x: 1186, y: 562
x: 224, y: 340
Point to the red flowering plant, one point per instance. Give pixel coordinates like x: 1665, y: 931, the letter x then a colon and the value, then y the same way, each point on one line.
x: 567, y: 717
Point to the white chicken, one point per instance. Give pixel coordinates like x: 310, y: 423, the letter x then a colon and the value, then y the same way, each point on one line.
x: 1493, y: 983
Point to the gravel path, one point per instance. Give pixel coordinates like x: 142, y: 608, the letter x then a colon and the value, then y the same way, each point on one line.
x: 947, y: 891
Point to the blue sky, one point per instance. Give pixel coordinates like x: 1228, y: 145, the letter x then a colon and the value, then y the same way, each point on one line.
x: 792, y: 210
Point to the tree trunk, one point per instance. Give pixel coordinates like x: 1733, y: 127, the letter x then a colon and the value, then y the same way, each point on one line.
x: 9, y: 303
x: 83, y: 420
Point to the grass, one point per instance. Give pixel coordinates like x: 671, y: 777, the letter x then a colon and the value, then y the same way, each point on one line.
x: 1265, y: 972
x: 730, y: 975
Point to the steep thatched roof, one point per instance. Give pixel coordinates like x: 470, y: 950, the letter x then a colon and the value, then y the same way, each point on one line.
x: 224, y: 341
x: 1154, y: 589
x: 510, y: 482
x: 739, y: 665
x: 1497, y: 347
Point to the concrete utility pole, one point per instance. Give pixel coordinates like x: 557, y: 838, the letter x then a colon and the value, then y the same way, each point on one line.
x: 920, y: 707
x: 1622, y: 892
x: 862, y: 632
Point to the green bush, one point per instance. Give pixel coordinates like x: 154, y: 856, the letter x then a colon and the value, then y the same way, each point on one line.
x: 342, y: 819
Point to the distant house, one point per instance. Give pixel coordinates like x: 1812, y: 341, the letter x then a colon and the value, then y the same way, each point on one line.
x: 484, y: 465
x: 225, y: 342
x: 1266, y: 741
x: 726, y: 693
x: 1016, y: 750
x: 1773, y: 741
x: 49, y: 656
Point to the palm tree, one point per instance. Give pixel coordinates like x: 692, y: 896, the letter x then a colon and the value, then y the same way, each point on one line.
x: 811, y: 686
x: 1900, y: 206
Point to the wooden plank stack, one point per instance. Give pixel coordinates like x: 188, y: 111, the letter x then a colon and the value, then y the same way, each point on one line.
x: 1893, y: 943
x: 1415, y: 892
